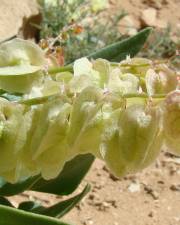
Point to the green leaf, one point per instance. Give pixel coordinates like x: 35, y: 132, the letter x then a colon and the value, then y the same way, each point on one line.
x: 31, y: 206
x: 118, y: 51
x: 68, y: 180
x: 57, y: 210
x: 11, y: 216
x: 62, y: 208
x: 7, y: 189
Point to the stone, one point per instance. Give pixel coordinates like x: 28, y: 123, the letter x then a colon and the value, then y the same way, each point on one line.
x: 153, y: 193
x: 149, y: 16
x: 13, y: 14
x: 175, y: 187
x: 134, y: 187
x: 129, y: 25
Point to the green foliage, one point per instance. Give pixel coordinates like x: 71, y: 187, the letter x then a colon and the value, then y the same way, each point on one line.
x: 58, y: 18
x: 118, y: 51
x: 8, y: 189
x: 64, y: 184
x: 67, y: 181
x: 100, y: 31
x: 55, y: 17
x: 12, y: 216
x: 58, y: 210
x: 91, y: 38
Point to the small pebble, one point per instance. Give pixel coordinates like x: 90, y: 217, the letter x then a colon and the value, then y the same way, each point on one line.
x: 134, y: 187
x: 175, y: 187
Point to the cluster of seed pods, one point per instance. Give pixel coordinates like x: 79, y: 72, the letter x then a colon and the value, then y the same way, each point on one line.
x: 122, y: 113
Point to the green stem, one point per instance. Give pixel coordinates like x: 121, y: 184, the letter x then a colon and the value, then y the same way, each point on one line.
x: 135, y: 65
x: 55, y: 70
x: 41, y: 100
x: 144, y: 95
x: 37, y: 100
x: 114, y: 64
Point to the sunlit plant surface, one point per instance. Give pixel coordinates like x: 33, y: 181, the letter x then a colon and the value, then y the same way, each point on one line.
x: 120, y: 112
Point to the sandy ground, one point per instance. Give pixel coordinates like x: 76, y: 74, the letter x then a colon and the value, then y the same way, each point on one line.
x: 167, y: 10
x: 151, y: 197
x: 148, y: 198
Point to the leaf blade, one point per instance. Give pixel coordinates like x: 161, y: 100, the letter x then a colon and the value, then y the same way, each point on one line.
x: 11, y: 216
x: 69, y: 179
x: 7, y: 189
x: 118, y: 51
x: 62, y: 208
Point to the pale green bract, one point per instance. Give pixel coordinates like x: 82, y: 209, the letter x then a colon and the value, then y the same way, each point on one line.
x: 122, y: 83
x: 160, y: 80
x: 21, y: 63
x: 138, y: 66
x: 121, y: 113
x: 133, y: 138
x: 172, y: 121
x: 11, y: 141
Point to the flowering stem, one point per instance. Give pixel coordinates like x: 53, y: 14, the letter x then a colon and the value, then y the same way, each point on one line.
x: 144, y: 95
x: 41, y: 100
x: 135, y: 65
x: 55, y: 70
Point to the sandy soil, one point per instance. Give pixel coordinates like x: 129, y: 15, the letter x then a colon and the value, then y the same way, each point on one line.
x: 167, y: 10
x: 151, y: 197
x: 148, y: 198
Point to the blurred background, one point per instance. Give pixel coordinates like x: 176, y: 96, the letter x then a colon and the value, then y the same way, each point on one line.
x: 83, y: 26
x: 75, y: 28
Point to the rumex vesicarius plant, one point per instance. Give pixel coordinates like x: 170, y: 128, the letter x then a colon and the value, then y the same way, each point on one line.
x: 55, y: 120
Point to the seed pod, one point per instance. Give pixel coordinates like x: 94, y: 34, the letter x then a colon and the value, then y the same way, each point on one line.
x: 86, y: 122
x: 110, y: 150
x: 19, y: 52
x: 102, y: 66
x: 122, y: 83
x: 136, y: 66
x: 11, y: 140
x: 20, y: 65
x: 136, y: 141
x: 171, y: 121
x: 85, y: 75
x: 161, y: 80
x: 45, y: 149
x: 53, y: 151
